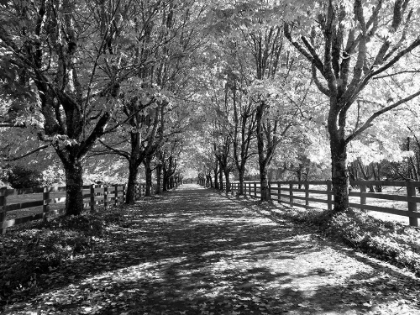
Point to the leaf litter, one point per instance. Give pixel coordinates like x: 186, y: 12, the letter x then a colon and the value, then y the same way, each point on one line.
x: 196, y: 252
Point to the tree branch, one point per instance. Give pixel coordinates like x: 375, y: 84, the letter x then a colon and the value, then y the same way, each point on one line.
x: 368, y: 122
x: 317, y: 62
x: 116, y: 151
x: 27, y: 154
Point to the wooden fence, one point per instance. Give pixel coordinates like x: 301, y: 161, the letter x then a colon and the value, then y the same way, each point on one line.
x: 41, y: 201
x: 318, y: 194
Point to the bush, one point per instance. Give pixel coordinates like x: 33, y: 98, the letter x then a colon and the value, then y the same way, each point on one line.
x: 20, y: 177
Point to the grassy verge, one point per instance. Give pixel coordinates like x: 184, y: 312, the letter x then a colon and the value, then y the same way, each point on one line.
x: 394, y: 242
x: 38, y: 248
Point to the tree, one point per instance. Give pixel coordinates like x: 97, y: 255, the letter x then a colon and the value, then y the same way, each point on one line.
x: 69, y: 57
x: 350, y: 44
x: 167, y: 36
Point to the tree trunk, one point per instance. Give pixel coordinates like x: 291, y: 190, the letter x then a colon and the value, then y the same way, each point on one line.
x: 158, y: 178
x: 216, y: 181
x: 133, y: 170
x: 209, y: 180
x: 241, y: 181
x: 263, y: 158
x: 227, y: 181
x: 220, y: 178
x: 340, y: 178
x: 148, y: 173
x: 74, y: 187
x: 265, y: 191
x: 299, y: 176
x: 165, y: 182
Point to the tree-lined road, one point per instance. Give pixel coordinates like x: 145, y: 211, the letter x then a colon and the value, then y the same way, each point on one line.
x: 194, y: 251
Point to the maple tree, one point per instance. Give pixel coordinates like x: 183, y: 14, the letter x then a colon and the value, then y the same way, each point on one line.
x: 69, y: 59
x: 255, y: 66
x: 150, y: 110
x: 349, y: 44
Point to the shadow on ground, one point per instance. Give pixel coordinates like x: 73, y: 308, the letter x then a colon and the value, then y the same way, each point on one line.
x: 195, y: 252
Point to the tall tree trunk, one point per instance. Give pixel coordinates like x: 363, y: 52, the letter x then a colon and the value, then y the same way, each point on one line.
x: 216, y: 180
x: 74, y: 187
x: 133, y: 171
x: 227, y: 173
x: 265, y: 191
x: 241, y: 174
x: 159, y: 174
x: 299, y: 176
x: 340, y: 178
x: 220, y: 178
x: 165, y: 181
x: 263, y: 157
x: 148, y: 173
x: 209, y: 180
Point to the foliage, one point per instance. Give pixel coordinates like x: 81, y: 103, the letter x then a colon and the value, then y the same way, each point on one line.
x: 22, y: 177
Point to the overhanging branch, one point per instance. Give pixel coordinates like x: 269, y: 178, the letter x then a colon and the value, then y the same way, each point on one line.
x: 368, y: 122
x: 27, y: 154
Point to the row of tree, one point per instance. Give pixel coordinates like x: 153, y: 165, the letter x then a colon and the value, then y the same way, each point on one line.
x: 302, y: 83
x: 89, y: 78
x: 225, y: 85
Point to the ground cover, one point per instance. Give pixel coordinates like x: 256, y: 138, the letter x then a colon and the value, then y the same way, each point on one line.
x: 193, y: 251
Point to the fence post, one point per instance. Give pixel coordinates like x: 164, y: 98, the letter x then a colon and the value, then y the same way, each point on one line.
x: 329, y: 195
x: 92, y: 198
x: 105, y: 196
x: 291, y: 194
x: 3, y: 202
x: 307, y: 194
x: 412, y: 205
x: 255, y: 190
x: 45, y: 203
x: 362, y: 196
x: 269, y: 190
x: 124, y: 192
x: 278, y: 192
x: 116, y: 195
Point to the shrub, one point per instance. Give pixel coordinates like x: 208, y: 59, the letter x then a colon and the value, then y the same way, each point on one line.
x: 20, y: 177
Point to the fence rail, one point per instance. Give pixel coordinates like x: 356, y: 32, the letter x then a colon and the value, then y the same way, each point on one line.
x: 314, y: 194
x: 48, y: 198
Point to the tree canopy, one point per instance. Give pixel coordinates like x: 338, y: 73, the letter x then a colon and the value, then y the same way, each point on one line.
x: 231, y: 89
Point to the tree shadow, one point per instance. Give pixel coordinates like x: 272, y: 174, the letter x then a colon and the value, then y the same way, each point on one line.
x: 193, y: 252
